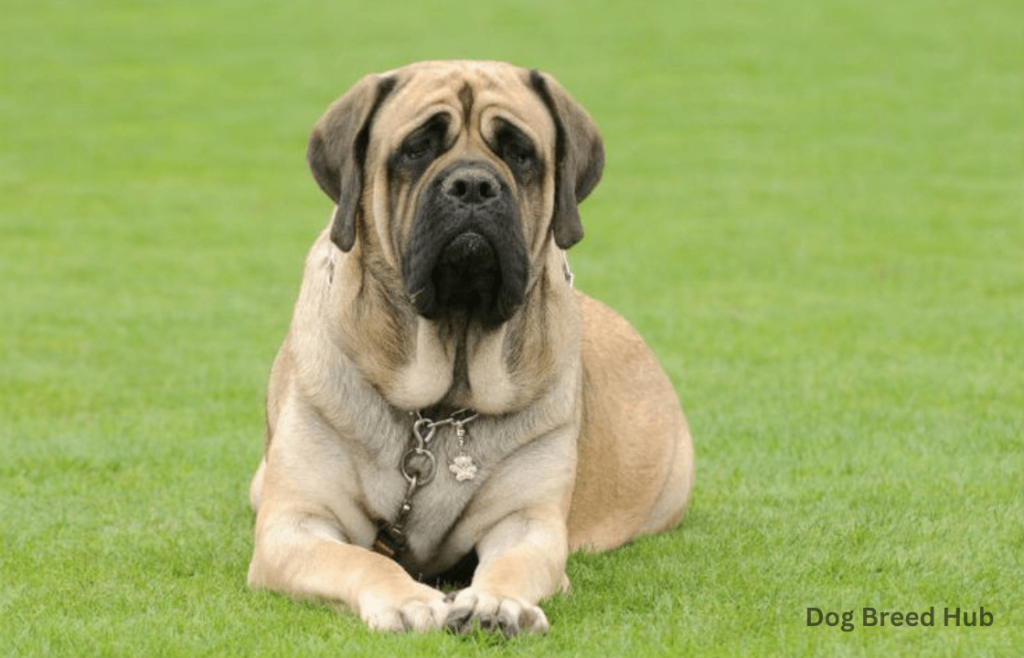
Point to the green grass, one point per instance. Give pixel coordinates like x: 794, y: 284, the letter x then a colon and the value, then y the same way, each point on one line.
x: 813, y: 210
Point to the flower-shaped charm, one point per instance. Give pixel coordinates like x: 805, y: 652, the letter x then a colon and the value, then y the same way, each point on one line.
x: 463, y: 468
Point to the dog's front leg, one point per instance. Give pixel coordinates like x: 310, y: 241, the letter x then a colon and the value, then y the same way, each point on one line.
x: 304, y: 555
x: 522, y: 560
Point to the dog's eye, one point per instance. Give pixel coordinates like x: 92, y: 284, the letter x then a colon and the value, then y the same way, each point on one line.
x: 418, y: 147
x: 426, y: 142
x: 515, y: 149
x: 517, y: 154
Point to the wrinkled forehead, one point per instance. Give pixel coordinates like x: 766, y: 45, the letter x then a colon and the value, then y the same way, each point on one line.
x: 473, y: 93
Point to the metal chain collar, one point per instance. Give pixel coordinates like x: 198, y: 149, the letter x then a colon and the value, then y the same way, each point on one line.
x: 418, y: 467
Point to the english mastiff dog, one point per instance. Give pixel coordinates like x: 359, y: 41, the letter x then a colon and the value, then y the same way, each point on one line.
x: 445, y: 398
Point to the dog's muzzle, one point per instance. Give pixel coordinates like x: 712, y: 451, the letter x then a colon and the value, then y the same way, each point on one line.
x: 466, y: 256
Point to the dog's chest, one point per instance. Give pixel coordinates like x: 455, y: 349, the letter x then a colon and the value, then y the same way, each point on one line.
x: 423, y: 492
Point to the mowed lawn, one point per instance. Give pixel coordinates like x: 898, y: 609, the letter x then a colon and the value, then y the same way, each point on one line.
x: 814, y: 211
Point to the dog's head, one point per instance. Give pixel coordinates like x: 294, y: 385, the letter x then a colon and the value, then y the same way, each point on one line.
x: 460, y: 174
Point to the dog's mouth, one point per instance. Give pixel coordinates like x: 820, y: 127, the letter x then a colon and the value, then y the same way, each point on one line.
x: 467, y: 275
x: 466, y: 281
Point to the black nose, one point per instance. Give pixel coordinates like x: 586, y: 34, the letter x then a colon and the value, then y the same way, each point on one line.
x: 471, y: 186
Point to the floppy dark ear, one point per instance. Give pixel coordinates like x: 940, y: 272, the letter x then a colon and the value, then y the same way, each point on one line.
x: 579, y: 157
x: 337, y: 151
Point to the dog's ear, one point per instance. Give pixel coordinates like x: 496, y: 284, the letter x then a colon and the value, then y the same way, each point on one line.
x: 579, y: 157
x: 337, y: 151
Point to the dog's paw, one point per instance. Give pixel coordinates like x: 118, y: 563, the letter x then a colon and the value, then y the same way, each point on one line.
x: 507, y: 615
x: 422, y: 611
